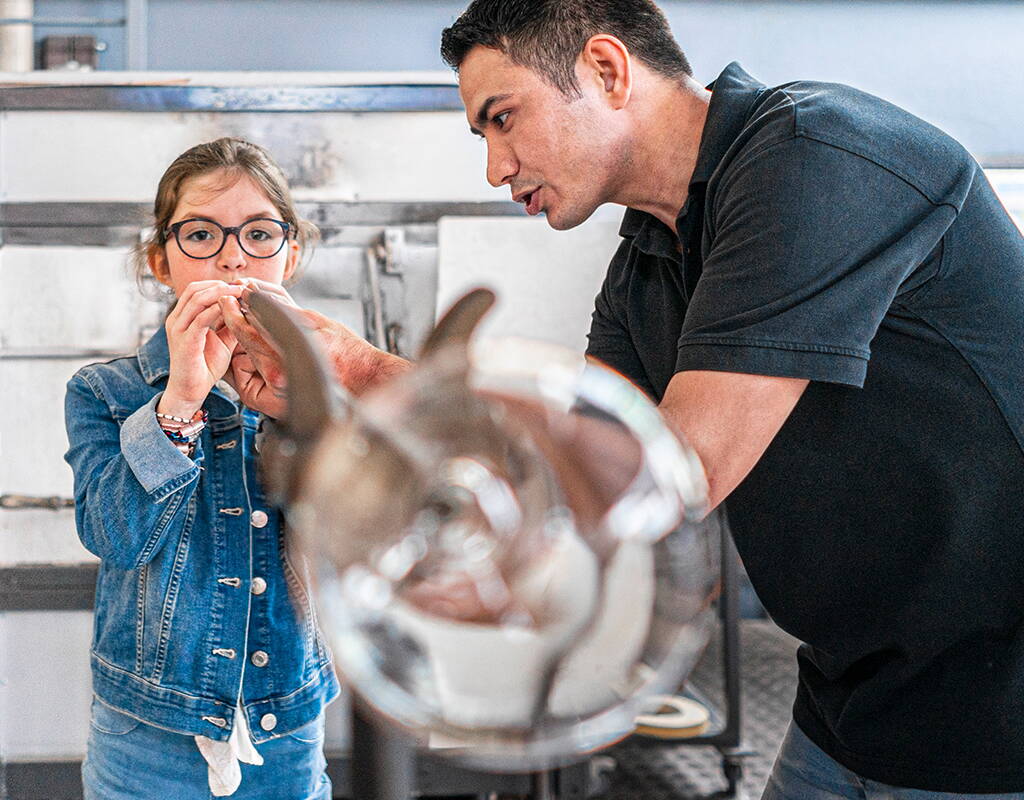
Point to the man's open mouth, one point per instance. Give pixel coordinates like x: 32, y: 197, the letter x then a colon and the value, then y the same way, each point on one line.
x: 532, y: 201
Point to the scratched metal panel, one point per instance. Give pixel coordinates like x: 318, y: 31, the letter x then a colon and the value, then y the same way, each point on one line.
x: 356, y: 99
x: 331, y: 272
x: 119, y: 156
x: 60, y: 297
x: 331, y: 280
x: 334, y: 282
x: 410, y: 300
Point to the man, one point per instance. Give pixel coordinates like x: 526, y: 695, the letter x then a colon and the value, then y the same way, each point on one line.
x: 824, y: 295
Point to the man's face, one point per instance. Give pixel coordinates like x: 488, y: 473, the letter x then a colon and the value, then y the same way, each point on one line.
x: 557, y: 154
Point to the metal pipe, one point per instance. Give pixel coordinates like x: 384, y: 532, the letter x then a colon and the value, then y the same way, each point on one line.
x: 375, y: 298
x: 65, y: 22
x: 19, y: 502
x: 136, y: 35
x: 16, y: 43
x: 383, y: 762
x: 33, y: 354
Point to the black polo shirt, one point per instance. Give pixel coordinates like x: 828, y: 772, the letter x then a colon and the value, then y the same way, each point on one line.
x: 831, y: 236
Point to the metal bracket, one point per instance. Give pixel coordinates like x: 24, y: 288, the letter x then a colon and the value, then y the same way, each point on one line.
x: 391, y: 251
x: 386, y: 256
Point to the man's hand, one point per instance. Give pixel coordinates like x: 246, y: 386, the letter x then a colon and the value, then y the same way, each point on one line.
x: 257, y: 372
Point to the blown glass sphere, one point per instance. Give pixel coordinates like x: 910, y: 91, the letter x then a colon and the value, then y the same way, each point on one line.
x: 510, y: 553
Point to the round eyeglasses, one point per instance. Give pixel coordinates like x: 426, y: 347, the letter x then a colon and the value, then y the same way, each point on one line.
x: 204, y: 238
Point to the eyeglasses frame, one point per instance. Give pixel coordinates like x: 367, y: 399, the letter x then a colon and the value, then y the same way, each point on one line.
x: 236, y: 230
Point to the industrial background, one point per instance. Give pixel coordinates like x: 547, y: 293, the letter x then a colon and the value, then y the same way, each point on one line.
x: 355, y: 103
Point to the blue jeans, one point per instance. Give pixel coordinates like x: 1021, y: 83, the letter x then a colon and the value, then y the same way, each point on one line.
x: 803, y: 771
x: 130, y: 760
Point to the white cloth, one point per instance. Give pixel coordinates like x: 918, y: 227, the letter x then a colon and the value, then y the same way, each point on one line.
x: 222, y: 758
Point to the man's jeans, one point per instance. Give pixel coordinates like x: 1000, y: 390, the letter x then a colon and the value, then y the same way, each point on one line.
x: 803, y: 771
x: 129, y: 760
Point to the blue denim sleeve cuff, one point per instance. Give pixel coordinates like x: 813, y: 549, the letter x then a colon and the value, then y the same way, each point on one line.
x: 160, y: 467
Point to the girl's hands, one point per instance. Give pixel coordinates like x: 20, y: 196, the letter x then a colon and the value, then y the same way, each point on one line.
x: 275, y: 289
x: 256, y: 372
x: 200, y: 346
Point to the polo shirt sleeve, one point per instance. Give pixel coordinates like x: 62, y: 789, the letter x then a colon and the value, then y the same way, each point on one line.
x: 609, y: 340
x: 810, y: 245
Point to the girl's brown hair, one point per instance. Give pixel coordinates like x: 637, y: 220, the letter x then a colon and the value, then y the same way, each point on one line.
x: 235, y: 156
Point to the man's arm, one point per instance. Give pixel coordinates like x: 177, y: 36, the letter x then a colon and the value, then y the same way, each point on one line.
x: 257, y: 372
x: 730, y: 419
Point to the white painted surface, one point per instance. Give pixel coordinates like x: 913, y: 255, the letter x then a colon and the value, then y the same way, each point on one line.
x: 32, y: 447
x: 119, y: 156
x: 546, y: 280
x: 32, y: 437
x: 40, y: 536
x: 45, y: 688
x: 1009, y: 185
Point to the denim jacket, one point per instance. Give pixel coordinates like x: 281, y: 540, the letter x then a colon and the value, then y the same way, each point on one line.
x: 197, y: 605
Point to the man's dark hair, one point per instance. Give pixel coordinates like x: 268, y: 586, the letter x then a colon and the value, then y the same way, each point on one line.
x: 548, y: 35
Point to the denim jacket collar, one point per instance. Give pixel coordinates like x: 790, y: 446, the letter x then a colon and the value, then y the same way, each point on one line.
x: 155, y: 357
x: 155, y: 364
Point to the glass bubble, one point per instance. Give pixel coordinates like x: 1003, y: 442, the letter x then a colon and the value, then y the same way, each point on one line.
x: 510, y: 553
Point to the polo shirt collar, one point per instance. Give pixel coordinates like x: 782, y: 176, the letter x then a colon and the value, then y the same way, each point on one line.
x: 732, y: 95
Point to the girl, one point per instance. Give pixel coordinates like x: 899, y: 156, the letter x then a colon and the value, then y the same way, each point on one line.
x: 205, y: 651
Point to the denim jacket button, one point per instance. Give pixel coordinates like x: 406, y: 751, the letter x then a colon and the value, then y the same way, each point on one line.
x: 259, y: 586
x: 260, y: 659
x: 259, y: 519
x: 268, y: 722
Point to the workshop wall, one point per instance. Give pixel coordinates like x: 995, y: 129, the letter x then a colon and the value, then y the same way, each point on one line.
x: 957, y: 64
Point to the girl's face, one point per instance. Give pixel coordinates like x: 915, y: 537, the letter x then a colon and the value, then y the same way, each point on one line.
x: 229, y: 200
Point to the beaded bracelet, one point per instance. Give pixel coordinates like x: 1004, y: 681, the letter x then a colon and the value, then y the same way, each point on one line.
x: 183, y: 433
x: 182, y: 420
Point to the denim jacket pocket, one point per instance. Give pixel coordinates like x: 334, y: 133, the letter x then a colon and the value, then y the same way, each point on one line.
x: 299, y: 592
x: 111, y: 721
x: 310, y: 733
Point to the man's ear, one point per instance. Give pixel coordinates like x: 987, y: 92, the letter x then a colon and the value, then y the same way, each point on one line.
x: 294, y: 251
x: 156, y: 257
x: 606, y: 60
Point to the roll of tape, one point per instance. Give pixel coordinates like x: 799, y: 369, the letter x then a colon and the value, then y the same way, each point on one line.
x: 675, y: 718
